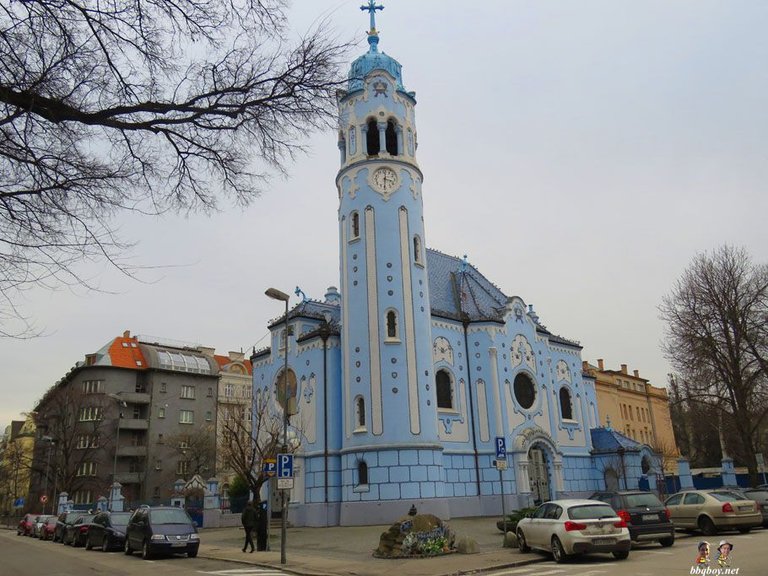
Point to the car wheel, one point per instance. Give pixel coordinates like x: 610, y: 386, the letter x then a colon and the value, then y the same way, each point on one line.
x: 707, y: 526
x: 145, y: 553
x: 128, y: 549
x: 192, y: 553
x: 88, y: 543
x: 558, y: 552
x: 521, y: 543
x: 105, y: 544
x: 621, y: 554
x: 667, y: 542
x: 744, y: 530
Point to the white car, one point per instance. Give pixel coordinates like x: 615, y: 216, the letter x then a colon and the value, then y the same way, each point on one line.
x: 568, y: 527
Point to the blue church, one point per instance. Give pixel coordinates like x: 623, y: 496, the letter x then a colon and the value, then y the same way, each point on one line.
x: 406, y: 376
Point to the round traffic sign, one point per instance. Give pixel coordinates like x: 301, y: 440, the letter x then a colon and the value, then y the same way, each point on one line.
x: 43, y: 499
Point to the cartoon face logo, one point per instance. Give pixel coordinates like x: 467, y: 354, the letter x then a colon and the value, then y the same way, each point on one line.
x: 702, y: 559
x: 724, y: 553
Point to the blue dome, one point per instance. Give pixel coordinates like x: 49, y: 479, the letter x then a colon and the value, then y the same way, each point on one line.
x: 374, y: 60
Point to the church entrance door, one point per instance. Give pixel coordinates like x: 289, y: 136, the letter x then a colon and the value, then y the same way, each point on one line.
x: 538, y: 474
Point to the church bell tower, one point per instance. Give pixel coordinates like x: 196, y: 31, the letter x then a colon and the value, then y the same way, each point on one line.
x: 387, y: 387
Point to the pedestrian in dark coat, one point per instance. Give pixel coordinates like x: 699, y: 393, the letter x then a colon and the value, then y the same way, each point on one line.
x: 248, y: 518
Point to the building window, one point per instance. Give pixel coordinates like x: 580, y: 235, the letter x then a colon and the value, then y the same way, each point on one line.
x: 210, y: 392
x: 525, y: 391
x: 182, y: 467
x: 208, y: 416
x: 161, y: 413
x: 158, y: 463
x: 354, y: 225
x: 392, y: 327
x: 359, y: 414
x: 444, y: 389
x: 417, y: 249
x: 82, y: 497
x: 141, y: 387
x: 86, y: 469
x: 188, y: 392
x: 229, y: 390
x: 566, y: 409
x: 92, y: 386
x: 156, y: 492
x: 163, y: 387
x: 160, y: 439
x: 186, y: 417
x: 87, y: 441
x: 372, y: 138
x: 184, y: 442
x: 391, y: 138
x: 362, y: 473
x: 90, y: 414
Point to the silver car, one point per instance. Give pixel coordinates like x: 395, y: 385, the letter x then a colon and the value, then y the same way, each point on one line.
x: 568, y: 527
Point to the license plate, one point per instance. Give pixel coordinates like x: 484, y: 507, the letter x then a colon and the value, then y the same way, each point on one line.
x: 178, y: 544
x: 650, y: 517
x: 603, y: 541
x: 745, y: 508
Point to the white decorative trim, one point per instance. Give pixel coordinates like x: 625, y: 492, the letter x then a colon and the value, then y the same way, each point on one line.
x: 373, y: 322
x: 408, y: 323
x: 347, y: 349
x: 493, y: 355
x: 482, y: 410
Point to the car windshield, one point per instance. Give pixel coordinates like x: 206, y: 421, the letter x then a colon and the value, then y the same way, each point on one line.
x: 120, y: 518
x: 645, y: 499
x: 169, y: 516
x: 757, y: 494
x: 86, y: 518
x: 72, y: 516
x: 727, y: 496
x: 51, y: 521
x: 590, y: 512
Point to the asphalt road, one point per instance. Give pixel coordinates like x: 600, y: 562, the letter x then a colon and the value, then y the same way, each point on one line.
x: 747, y: 559
x: 24, y: 556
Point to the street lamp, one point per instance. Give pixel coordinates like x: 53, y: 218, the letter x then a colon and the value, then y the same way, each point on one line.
x: 50, y: 442
x: 121, y: 404
x: 276, y: 294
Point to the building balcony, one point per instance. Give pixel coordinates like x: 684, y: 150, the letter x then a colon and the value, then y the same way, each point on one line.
x: 135, y: 397
x: 129, y: 477
x: 132, y: 451
x: 134, y: 424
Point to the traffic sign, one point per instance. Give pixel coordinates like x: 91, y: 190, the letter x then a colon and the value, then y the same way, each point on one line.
x: 18, y: 503
x: 270, y: 467
x: 501, y: 448
x: 285, y: 465
x: 285, y: 483
x: 43, y: 499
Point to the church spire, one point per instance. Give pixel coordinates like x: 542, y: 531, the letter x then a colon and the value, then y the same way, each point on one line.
x: 373, y: 35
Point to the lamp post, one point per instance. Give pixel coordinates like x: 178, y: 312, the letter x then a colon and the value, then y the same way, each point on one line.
x: 276, y: 294
x: 121, y: 404
x: 50, y: 442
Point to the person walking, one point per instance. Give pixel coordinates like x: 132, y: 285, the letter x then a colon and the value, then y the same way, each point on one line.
x: 248, y: 519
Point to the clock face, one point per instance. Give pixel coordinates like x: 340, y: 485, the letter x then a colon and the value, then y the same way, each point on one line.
x: 385, y: 179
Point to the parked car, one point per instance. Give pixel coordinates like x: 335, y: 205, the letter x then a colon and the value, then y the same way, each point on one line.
x: 161, y: 530
x: 49, y: 528
x: 40, y: 521
x: 64, y: 520
x: 107, y: 531
x: 567, y: 527
x: 713, y: 510
x: 758, y: 495
x: 25, y: 526
x: 646, y: 517
x: 76, y: 533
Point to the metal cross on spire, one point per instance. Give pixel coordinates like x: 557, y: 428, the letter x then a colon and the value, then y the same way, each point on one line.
x: 371, y: 7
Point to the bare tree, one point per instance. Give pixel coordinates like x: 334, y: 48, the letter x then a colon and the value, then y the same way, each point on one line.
x: 196, y: 450
x: 144, y: 106
x: 248, y: 439
x: 716, y: 339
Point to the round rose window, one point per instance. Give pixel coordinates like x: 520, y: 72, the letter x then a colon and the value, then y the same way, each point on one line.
x: 525, y: 391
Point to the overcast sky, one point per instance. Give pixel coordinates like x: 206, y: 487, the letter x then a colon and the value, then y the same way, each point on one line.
x: 580, y: 153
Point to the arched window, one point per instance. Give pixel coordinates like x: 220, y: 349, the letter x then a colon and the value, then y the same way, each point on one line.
x: 372, y: 139
x: 342, y: 147
x: 354, y: 225
x: 391, y: 135
x: 417, y: 249
x: 359, y: 413
x: 392, y: 327
x: 362, y: 472
x: 444, y: 390
x: 566, y: 410
x: 525, y: 390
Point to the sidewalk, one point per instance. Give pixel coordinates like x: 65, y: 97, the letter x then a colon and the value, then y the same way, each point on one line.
x: 336, y: 551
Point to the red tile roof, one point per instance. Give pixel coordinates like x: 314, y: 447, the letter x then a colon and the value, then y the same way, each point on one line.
x: 223, y: 361
x: 125, y: 353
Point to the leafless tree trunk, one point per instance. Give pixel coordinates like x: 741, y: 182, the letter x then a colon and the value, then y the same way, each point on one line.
x: 146, y: 106
x: 716, y: 339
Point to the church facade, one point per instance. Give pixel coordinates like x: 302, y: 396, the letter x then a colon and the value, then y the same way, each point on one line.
x: 405, y: 377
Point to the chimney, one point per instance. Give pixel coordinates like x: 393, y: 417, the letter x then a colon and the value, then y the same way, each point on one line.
x: 127, y: 334
x: 600, y: 364
x: 623, y: 368
x: 637, y: 373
